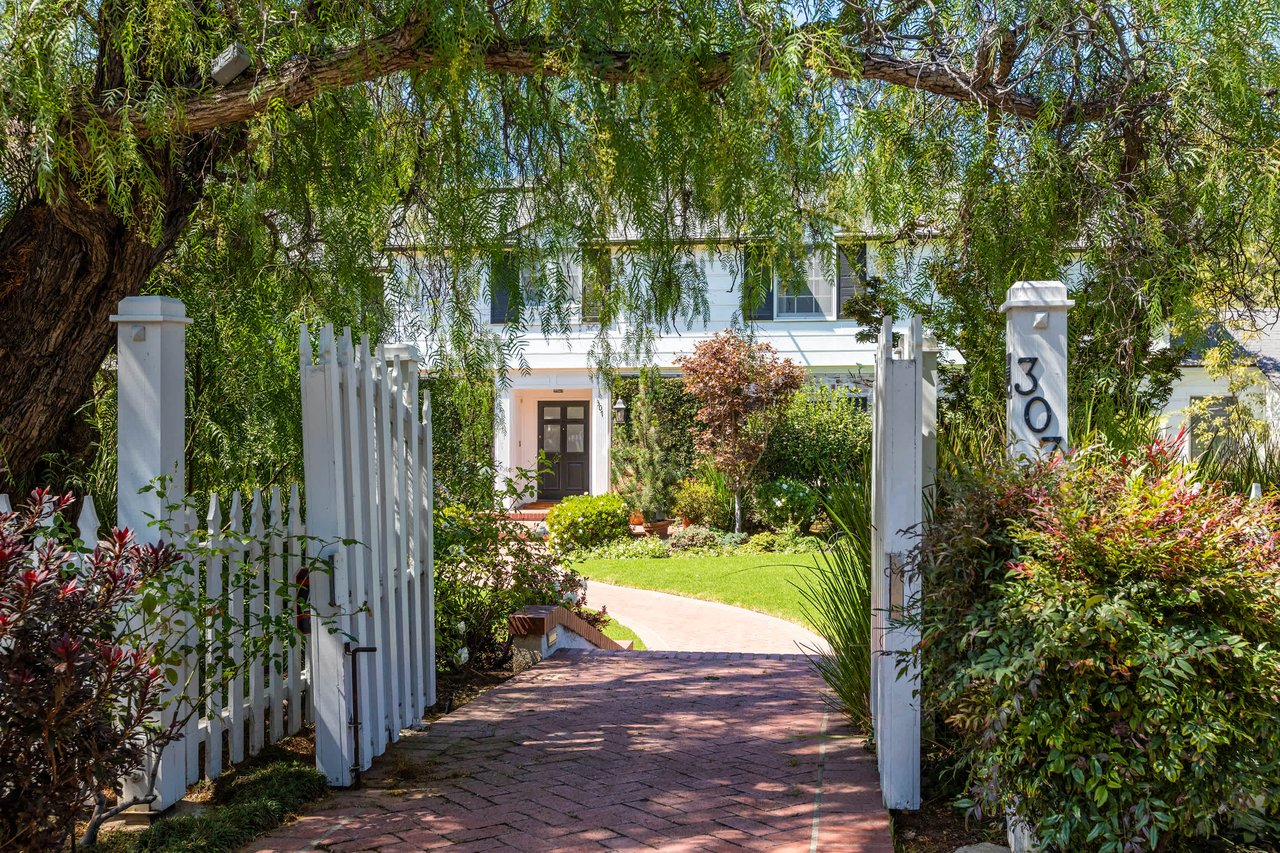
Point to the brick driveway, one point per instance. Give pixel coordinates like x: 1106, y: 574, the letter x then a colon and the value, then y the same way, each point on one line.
x: 621, y: 750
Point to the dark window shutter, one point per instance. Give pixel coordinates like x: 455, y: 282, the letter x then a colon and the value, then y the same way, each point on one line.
x: 757, y: 286
x: 851, y: 274
x: 504, y: 283
x: 597, y: 272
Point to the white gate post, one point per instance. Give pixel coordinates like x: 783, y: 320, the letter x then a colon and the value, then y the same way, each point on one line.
x: 904, y: 440
x: 150, y: 444
x: 330, y: 600
x: 1036, y: 367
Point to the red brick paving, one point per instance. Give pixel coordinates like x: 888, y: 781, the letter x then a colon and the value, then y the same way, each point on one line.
x: 619, y: 750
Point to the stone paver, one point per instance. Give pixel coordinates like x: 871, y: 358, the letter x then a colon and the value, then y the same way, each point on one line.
x: 619, y: 750
x: 675, y: 623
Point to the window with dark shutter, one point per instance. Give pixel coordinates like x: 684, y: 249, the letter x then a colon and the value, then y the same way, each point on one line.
x: 851, y: 274
x: 597, y: 274
x: 504, y: 287
x: 757, y: 285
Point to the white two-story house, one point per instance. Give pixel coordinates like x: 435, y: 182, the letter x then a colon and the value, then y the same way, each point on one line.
x: 559, y: 407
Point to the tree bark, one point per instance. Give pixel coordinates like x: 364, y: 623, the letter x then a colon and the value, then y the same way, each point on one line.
x: 63, y: 269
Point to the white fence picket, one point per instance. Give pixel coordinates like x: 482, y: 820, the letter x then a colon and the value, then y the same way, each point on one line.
x: 215, y: 647
x: 297, y: 699
x: 236, y: 606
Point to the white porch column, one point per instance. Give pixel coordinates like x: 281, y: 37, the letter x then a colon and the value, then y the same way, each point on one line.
x: 1036, y: 366
x: 601, y: 438
x: 151, y: 333
x: 504, y: 414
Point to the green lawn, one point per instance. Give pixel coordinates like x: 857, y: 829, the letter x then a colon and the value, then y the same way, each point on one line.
x: 761, y: 582
x: 615, y: 630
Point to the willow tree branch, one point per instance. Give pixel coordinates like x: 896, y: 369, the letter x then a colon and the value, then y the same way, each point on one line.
x: 299, y: 80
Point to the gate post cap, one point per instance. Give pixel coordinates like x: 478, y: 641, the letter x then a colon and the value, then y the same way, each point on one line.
x: 1036, y: 294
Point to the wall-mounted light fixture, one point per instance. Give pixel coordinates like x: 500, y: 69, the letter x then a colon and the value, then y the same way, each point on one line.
x: 620, y: 411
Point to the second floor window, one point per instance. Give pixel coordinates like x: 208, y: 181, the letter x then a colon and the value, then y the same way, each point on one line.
x: 809, y: 292
x: 511, y: 287
x: 597, y: 276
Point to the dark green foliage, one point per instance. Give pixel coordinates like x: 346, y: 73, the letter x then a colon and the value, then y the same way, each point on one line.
x: 837, y: 601
x: 488, y: 567
x: 785, y: 504
x: 585, y: 521
x: 672, y: 411
x: 643, y: 466
x: 462, y: 439
x: 1100, y: 635
x: 249, y: 802
x: 820, y: 431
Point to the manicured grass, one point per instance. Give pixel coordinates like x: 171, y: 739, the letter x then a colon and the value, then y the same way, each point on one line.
x: 615, y: 630
x: 763, y: 582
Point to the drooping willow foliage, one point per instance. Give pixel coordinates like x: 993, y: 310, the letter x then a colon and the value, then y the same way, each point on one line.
x: 377, y: 153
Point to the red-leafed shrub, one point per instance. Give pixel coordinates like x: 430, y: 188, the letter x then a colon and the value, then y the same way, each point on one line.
x: 74, y: 700
x: 1101, y: 635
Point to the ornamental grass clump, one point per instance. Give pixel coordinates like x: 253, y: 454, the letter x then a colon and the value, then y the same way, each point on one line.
x: 1101, y: 636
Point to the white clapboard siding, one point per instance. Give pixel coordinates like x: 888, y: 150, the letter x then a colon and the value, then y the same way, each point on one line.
x: 368, y: 484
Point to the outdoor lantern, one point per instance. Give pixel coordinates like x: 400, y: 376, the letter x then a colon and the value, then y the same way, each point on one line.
x: 620, y: 412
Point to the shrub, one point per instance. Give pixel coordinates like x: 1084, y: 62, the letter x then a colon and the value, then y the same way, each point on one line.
x: 783, y: 542
x: 695, y: 500
x: 642, y: 466
x: 733, y: 540
x: 823, y: 435
x: 689, y: 538
x: 644, y: 547
x: 1101, y: 636
x: 585, y: 521
x: 837, y: 602
x: 487, y: 567
x: 74, y: 697
x: 786, y: 504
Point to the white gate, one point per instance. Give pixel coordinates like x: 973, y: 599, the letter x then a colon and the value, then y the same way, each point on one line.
x: 367, y: 464
x: 904, y: 450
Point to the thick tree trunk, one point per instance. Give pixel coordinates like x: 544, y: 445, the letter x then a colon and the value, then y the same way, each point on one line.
x: 63, y: 269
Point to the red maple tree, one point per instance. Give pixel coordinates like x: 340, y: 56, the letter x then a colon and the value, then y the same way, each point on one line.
x: 742, y: 387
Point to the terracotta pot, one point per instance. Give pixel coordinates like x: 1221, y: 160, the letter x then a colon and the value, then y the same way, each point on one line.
x: 636, y: 518
x: 684, y: 522
x: 657, y: 528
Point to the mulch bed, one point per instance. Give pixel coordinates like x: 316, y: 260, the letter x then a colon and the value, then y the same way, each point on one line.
x: 939, y: 827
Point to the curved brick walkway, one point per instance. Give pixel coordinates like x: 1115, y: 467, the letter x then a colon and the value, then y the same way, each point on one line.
x: 674, y: 623
x: 619, y: 750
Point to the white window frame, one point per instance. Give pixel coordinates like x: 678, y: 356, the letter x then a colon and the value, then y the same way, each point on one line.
x: 824, y: 303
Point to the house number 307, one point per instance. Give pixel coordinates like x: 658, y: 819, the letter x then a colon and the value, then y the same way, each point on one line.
x: 1037, y: 414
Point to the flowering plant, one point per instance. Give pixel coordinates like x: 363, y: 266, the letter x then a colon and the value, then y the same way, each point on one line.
x: 1102, y: 635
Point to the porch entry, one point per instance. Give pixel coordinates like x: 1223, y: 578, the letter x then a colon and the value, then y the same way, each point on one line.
x: 562, y: 436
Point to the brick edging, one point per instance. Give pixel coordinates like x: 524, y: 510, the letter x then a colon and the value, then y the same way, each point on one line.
x: 539, y: 619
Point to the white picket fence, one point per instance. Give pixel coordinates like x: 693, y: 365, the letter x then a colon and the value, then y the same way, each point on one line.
x: 241, y: 563
x: 904, y: 451
x: 367, y: 669
x: 367, y: 462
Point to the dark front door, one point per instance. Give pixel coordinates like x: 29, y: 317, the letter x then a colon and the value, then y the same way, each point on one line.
x: 562, y: 436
